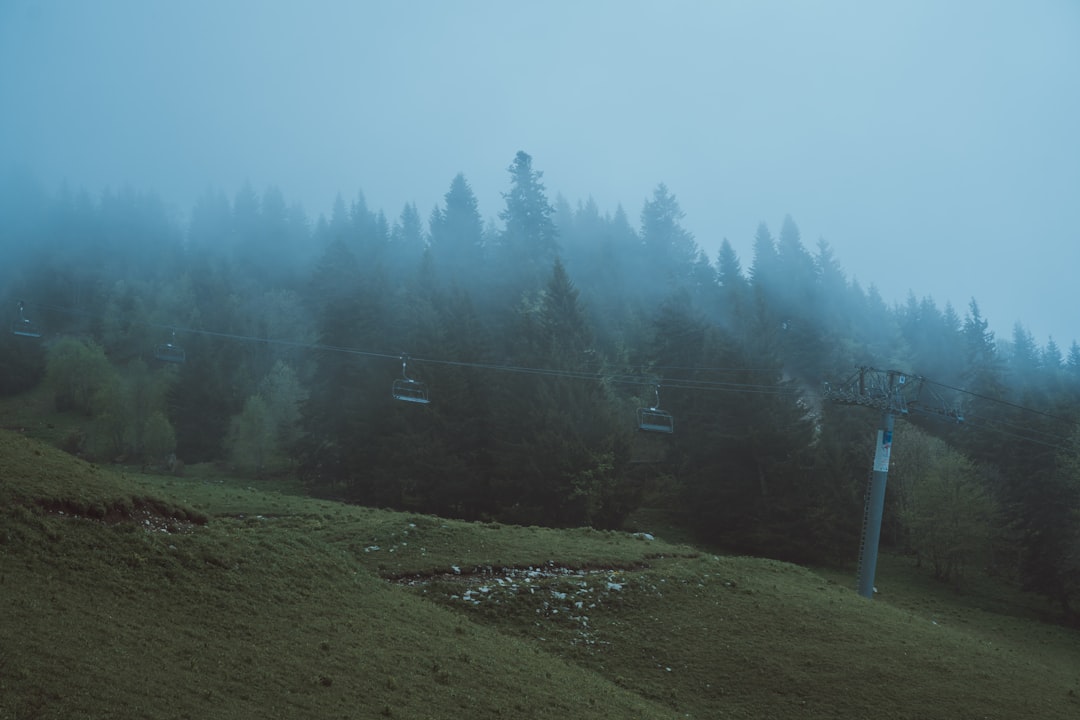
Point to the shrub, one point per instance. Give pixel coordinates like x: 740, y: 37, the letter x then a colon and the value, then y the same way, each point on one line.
x: 76, y: 371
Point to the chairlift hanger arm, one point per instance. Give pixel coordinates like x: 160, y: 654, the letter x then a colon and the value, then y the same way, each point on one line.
x: 404, y: 366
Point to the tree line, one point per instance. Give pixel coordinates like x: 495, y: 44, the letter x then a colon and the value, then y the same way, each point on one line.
x: 539, y: 337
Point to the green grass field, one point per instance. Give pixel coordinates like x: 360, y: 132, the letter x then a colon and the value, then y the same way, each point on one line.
x: 124, y: 595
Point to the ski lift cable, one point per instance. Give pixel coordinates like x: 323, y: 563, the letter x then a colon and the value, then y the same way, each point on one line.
x: 1017, y: 436
x: 625, y: 379
x: 347, y: 350
x: 232, y: 336
x: 702, y: 368
x: 999, y: 401
x: 683, y: 384
x: 1015, y: 426
x: 647, y: 369
x: 747, y: 389
x: 1016, y: 431
x: 690, y: 383
x: 617, y: 379
x: 621, y: 378
x: 674, y: 383
x: 992, y: 425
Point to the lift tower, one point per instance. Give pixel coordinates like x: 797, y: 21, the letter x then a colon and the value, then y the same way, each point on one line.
x: 893, y: 392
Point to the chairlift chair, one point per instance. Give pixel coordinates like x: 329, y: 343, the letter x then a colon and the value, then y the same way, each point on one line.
x: 408, y: 390
x: 25, y: 327
x: 170, y: 352
x: 653, y: 419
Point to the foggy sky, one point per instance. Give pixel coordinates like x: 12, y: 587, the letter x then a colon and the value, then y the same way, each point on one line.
x: 934, y: 145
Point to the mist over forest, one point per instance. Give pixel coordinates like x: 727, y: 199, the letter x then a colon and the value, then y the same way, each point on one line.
x: 560, y: 365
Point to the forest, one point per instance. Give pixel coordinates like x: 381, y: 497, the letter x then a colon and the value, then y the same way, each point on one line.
x: 558, y: 366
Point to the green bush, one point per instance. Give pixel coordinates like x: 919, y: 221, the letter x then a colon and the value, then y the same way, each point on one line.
x: 76, y: 371
x: 252, y: 436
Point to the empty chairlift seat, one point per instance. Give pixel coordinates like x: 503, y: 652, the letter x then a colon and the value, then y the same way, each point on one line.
x: 23, y: 326
x: 170, y: 352
x: 408, y: 390
x: 653, y: 419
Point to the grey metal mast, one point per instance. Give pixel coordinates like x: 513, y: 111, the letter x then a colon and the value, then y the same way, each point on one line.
x: 892, y: 392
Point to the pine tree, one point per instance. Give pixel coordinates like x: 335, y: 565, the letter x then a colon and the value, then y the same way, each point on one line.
x: 796, y: 293
x: 210, y: 226
x: 553, y: 458
x: 1051, y: 358
x: 368, y: 233
x: 252, y: 436
x: 446, y: 451
x: 734, y: 289
x: 1046, y: 512
x: 528, y: 244
x: 668, y: 249
x: 832, y: 291
x: 1072, y: 363
x: 982, y: 366
x: 765, y: 268
x: 407, y: 244
x: 457, y: 234
x: 604, y: 249
x: 340, y: 418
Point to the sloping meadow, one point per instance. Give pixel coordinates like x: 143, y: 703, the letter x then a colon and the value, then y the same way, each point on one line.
x: 128, y: 595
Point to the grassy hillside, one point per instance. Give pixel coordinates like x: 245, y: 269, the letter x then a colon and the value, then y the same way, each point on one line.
x: 129, y: 595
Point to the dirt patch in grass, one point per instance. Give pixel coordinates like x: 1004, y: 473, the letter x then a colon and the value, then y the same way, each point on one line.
x: 149, y: 515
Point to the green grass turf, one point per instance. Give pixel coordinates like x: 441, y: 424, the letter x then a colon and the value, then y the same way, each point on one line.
x: 140, y: 596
